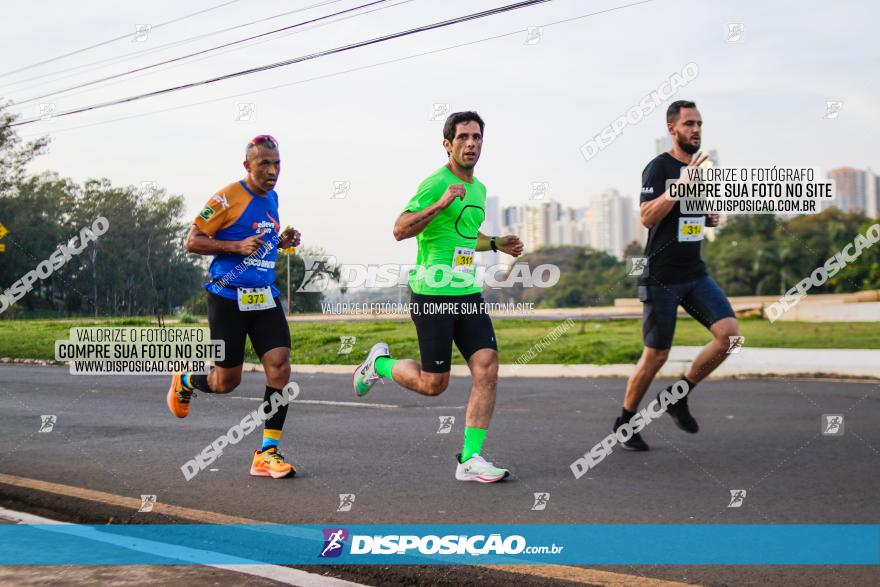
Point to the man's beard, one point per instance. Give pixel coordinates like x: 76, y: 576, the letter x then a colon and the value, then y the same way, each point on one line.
x: 688, y: 147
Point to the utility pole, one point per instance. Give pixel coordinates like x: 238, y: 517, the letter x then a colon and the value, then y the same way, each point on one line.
x: 289, y: 252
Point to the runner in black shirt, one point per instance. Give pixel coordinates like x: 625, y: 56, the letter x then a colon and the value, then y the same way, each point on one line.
x: 675, y: 275
x: 673, y: 258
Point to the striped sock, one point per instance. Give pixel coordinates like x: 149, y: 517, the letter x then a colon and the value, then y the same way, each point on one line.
x: 270, y: 439
x: 195, y: 381
x: 274, y: 425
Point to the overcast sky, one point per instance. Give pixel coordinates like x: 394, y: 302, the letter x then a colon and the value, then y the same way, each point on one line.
x: 763, y: 98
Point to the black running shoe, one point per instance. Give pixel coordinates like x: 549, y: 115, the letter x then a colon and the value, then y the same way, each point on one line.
x: 681, y: 415
x: 635, y: 442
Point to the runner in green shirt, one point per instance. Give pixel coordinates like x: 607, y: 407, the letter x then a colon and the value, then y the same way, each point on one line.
x: 444, y: 264
x: 447, y: 305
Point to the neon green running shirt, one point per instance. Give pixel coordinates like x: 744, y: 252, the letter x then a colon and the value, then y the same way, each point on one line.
x: 445, y: 262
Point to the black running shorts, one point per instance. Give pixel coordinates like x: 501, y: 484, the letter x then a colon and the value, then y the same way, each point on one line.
x: 701, y: 298
x: 442, y: 320
x: 267, y: 329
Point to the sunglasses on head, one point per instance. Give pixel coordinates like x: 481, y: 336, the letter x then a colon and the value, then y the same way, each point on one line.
x: 265, y: 140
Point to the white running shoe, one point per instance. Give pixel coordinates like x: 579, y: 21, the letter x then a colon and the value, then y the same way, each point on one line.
x: 365, y: 375
x: 477, y: 468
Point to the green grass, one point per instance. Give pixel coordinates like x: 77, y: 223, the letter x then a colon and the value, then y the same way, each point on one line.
x: 597, y: 342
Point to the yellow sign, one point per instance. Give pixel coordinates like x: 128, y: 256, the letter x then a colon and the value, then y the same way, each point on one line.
x: 2, y: 248
x: 3, y: 231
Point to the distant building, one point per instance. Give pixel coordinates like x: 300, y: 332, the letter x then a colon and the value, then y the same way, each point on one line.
x: 872, y: 194
x: 663, y: 144
x: 536, y: 227
x: 856, y: 190
x: 544, y: 224
x: 610, y: 224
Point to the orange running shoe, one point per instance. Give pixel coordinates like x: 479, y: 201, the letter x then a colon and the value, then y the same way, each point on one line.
x: 270, y: 463
x: 178, y: 397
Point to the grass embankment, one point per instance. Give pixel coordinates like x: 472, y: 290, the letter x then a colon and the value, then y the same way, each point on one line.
x: 596, y: 342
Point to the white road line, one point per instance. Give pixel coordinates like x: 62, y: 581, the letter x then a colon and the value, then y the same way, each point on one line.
x: 443, y: 407
x: 324, y: 402
x: 278, y: 573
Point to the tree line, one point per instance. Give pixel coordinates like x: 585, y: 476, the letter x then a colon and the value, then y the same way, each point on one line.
x: 139, y: 267
x: 751, y: 255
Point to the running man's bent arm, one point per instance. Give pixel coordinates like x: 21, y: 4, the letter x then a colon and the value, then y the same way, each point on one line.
x: 509, y: 244
x: 653, y: 211
x: 483, y: 242
x: 409, y: 224
x: 214, y: 217
x: 202, y: 244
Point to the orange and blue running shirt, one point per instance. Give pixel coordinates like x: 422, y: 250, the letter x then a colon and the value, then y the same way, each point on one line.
x: 235, y: 213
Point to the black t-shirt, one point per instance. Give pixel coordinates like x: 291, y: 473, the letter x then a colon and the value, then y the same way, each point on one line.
x: 673, y: 247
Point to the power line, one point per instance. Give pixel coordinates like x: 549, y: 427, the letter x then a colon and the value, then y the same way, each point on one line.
x: 342, y: 72
x: 250, y: 44
x: 113, y: 40
x: 319, y: 54
x: 132, y: 54
x: 197, y: 53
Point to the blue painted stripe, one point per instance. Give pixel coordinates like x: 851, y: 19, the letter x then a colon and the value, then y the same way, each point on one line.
x: 648, y: 544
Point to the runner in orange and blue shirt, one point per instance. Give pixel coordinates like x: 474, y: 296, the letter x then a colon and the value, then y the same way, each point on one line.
x: 239, y: 226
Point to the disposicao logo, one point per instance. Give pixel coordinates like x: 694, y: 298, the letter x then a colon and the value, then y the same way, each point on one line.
x: 334, y: 541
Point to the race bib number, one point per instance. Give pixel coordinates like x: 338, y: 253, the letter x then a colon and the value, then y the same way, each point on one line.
x: 690, y: 229
x: 257, y: 298
x: 463, y: 260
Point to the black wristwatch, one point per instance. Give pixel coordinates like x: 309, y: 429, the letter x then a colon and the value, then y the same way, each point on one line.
x: 492, y: 244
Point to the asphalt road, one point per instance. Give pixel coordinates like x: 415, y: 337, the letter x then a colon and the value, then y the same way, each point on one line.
x: 114, y: 434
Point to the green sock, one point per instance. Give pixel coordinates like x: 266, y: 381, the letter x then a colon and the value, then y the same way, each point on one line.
x: 473, y: 442
x: 384, y: 366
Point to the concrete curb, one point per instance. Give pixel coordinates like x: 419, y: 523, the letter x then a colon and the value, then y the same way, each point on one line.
x: 781, y: 362
x: 749, y: 362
